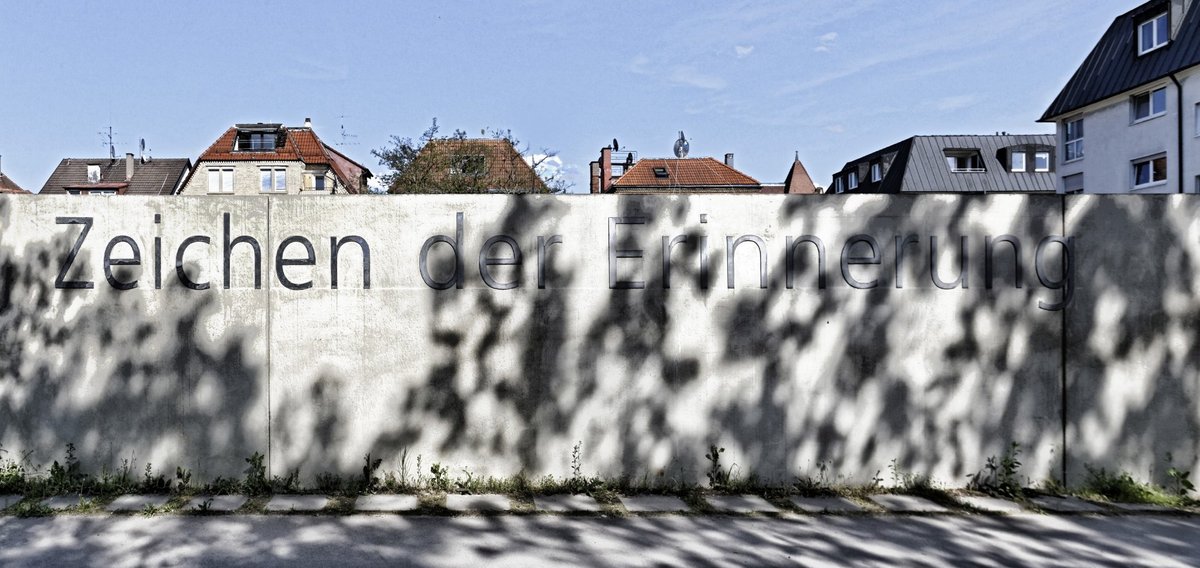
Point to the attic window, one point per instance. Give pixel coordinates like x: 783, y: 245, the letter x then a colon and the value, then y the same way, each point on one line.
x: 93, y: 174
x: 1153, y: 34
x: 965, y: 161
x: 256, y: 141
x: 660, y: 172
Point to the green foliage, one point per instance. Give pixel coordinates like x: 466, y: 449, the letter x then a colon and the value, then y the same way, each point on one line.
x: 1181, y: 480
x: 68, y: 476
x: 256, y: 476
x: 718, y: 476
x: 1000, y: 478
x: 289, y: 483
x: 369, y: 479
x: 440, y: 480
x: 12, y: 474
x: 183, y: 479
x: 1122, y: 488
x: 457, y: 164
x: 911, y: 483
x: 154, y: 483
x: 819, y: 484
x: 330, y: 483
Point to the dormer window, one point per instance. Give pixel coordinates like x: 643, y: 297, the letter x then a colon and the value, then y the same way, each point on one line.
x: 1016, y: 162
x: 965, y: 161
x: 258, y: 139
x: 93, y: 174
x: 661, y: 173
x: 876, y: 172
x: 1153, y: 33
x: 852, y: 180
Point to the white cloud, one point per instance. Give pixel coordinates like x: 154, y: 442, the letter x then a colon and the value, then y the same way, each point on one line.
x: 690, y: 76
x: 743, y: 50
x: 640, y: 65
x: 835, y: 128
x: 827, y: 42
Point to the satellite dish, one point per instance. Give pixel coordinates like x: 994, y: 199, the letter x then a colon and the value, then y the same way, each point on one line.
x: 616, y: 147
x: 681, y: 146
x: 142, y: 145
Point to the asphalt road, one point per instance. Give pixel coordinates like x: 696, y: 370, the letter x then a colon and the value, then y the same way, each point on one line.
x: 525, y: 541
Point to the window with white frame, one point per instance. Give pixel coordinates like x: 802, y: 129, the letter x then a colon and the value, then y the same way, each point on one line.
x: 1149, y: 105
x: 1041, y: 161
x: 965, y: 161
x: 1016, y: 162
x: 1073, y: 139
x: 1153, y: 34
x: 837, y: 185
x: 93, y: 174
x: 876, y: 172
x: 852, y: 180
x: 1149, y: 172
x: 220, y: 180
x: 274, y: 180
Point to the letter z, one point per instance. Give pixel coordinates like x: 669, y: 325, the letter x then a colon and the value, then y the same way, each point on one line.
x: 61, y: 282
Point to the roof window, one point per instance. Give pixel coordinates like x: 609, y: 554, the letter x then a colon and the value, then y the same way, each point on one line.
x: 965, y: 161
x: 1153, y: 33
x: 256, y: 140
x: 660, y: 172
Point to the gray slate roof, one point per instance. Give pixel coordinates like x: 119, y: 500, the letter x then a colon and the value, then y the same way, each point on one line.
x: 918, y: 164
x: 159, y: 176
x: 1114, y: 66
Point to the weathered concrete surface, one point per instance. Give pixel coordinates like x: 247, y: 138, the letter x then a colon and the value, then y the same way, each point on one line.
x: 503, y: 381
x: 1133, y: 336
x: 556, y: 540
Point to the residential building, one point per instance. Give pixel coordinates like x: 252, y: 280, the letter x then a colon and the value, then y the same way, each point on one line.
x: 1128, y: 121
x: 272, y: 159
x: 468, y: 165
x: 624, y: 172
x: 113, y: 176
x: 1009, y: 163
x: 797, y: 181
x: 7, y: 185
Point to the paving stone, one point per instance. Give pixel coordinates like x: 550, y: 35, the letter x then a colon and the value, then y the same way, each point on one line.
x: 7, y: 501
x: 1143, y: 508
x: 386, y: 503
x: 1067, y: 505
x: 991, y: 504
x: 654, y: 504
x: 478, y: 503
x: 826, y: 505
x: 63, y: 502
x: 136, y: 503
x: 297, y: 503
x: 217, y: 503
x: 566, y: 504
x: 740, y: 504
x: 907, y: 504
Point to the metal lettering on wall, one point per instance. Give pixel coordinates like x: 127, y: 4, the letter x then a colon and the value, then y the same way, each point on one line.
x: 861, y: 264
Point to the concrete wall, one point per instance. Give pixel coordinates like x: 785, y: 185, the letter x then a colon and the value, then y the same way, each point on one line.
x: 500, y: 381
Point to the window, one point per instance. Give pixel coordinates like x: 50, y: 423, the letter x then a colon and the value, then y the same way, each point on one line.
x: 93, y: 174
x: 274, y: 180
x: 220, y: 180
x: 660, y: 172
x: 876, y: 172
x: 1149, y: 172
x: 102, y: 192
x: 1016, y: 162
x: 256, y: 141
x: 319, y: 183
x: 852, y: 180
x: 1073, y: 140
x: 965, y: 161
x: 1150, y: 105
x: 1073, y: 183
x: 837, y: 185
x: 1041, y: 161
x: 1153, y: 34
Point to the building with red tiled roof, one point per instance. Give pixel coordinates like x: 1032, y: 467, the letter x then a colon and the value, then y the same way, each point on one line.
x: 7, y: 185
x: 469, y: 165
x: 269, y: 158
x: 669, y: 175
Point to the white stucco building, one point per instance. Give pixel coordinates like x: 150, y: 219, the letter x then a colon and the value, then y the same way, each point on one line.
x: 1128, y: 121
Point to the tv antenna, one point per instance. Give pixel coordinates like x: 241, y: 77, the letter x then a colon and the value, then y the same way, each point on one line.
x: 106, y: 139
x: 682, y: 146
x: 345, y: 138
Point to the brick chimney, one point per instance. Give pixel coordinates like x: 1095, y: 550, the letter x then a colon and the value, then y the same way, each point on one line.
x: 594, y: 181
x: 605, y: 169
x: 128, y: 166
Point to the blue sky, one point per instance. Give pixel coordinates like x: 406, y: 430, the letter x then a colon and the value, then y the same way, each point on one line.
x: 831, y: 79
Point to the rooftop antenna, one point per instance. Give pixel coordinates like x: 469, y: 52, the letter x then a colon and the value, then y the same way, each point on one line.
x: 145, y: 154
x: 682, y: 146
x: 107, y: 140
x: 345, y: 138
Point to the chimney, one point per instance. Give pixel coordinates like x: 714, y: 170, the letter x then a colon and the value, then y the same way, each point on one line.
x: 605, y: 169
x: 307, y: 122
x: 729, y: 159
x: 594, y: 183
x: 128, y: 166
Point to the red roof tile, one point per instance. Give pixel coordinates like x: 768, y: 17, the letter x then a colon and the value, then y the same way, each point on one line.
x: 299, y: 144
x: 684, y: 173
x: 7, y: 185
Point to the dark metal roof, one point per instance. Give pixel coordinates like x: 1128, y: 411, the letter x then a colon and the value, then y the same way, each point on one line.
x: 159, y: 176
x: 918, y: 165
x: 1114, y: 66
